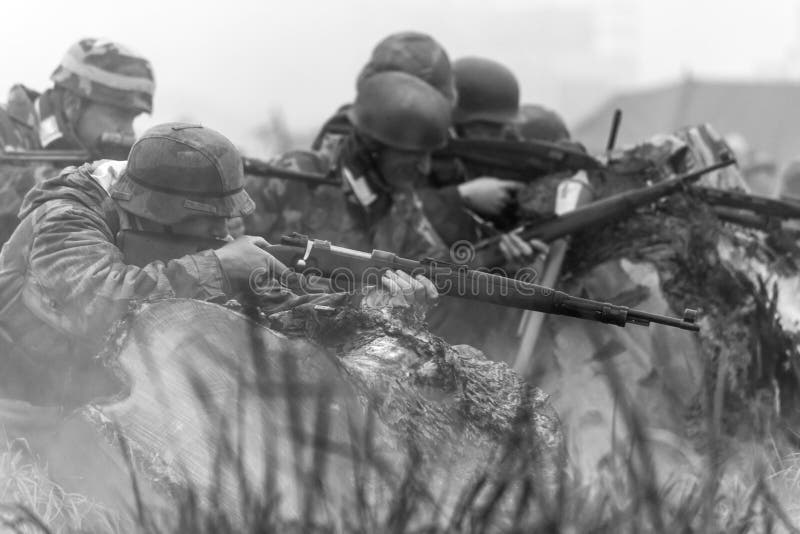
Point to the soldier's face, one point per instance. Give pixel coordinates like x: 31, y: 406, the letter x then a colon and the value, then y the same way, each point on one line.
x: 98, y: 118
x: 202, y: 226
x: 403, y: 169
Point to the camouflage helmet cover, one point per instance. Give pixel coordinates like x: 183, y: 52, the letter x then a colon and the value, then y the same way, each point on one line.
x: 107, y: 72
x: 487, y: 91
x: 176, y: 170
x: 401, y: 111
x: 414, y: 53
x: 540, y: 123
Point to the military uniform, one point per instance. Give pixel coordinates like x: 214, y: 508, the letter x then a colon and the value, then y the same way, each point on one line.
x: 438, y: 194
x: 354, y: 214
x: 64, y: 281
x: 92, y: 69
x: 19, y: 130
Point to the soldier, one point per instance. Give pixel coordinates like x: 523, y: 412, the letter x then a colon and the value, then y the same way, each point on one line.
x: 488, y: 98
x: 399, y: 121
x: 538, y: 122
x: 409, y: 52
x: 415, y: 53
x: 64, y: 281
x: 99, y: 87
x: 488, y: 103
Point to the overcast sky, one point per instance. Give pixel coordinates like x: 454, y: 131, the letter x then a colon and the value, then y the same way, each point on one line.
x: 228, y: 63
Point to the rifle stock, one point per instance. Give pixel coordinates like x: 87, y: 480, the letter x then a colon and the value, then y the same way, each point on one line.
x: 347, y: 269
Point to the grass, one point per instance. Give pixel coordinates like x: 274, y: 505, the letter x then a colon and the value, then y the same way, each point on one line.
x: 748, y: 483
x: 752, y: 488
x: 33, y: 503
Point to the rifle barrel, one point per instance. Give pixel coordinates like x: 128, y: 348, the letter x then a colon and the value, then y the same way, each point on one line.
x: 251, y: 166
x: 606, y: 312
x: 348, y: 268
x: 770, y: 207
x: 70, y: 157
x: 256, y: 167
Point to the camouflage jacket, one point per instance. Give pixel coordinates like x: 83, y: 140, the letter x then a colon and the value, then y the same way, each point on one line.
x: 441, y: 202
x: 287, y: 206
x: 20, y: 129
x: 352, y: 214
x: 64, y: 284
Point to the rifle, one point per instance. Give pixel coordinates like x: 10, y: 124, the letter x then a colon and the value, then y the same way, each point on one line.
x: 262, y: 169
x: 746, y: 218
x: 487, y: 253
x: 346, y: 269
x: 251, y: 166
x: 109, y: 143
x: 531, y: 158
x: 756, y: 204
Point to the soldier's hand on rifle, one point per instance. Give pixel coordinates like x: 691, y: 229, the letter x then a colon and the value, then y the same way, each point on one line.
x: 399, y: 289
x: 243, y: 257
x: 489, y: 196
x: 520, y: 253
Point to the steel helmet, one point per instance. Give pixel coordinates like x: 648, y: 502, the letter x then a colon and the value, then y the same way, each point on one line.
x: 401, y: 111
x: 540, y: 123
x: 414, y: 53
x: 176, y: 170
x: 107, y: 72
x: 487, y: 91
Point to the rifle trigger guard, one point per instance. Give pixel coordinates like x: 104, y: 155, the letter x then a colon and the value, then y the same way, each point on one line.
x: 301, y: 263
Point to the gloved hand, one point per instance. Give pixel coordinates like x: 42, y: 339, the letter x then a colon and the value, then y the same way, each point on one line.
x: 245, y: 256
x: 489, y: 196
x: 399, y: 290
